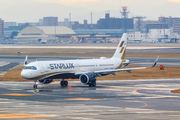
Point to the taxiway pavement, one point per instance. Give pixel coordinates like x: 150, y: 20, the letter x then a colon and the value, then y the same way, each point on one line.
x: 110, y: 100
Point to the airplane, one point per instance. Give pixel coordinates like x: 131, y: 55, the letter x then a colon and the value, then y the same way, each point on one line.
x: 86, y: 70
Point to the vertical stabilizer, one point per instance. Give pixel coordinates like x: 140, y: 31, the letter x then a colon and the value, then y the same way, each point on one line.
x: 121, y: 49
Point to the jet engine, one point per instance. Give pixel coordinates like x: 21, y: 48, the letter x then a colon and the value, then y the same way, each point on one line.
x: 87, y: 79
x: 46, y: 81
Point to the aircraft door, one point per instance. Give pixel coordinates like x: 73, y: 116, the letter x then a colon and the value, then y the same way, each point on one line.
x: 41, y: 67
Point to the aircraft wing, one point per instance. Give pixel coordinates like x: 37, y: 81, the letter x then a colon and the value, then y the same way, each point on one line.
x: 112, y: 71
x: 119, y: 70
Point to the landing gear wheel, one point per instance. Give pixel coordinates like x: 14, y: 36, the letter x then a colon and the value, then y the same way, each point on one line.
x: 64, y: 83
x: 35, y: 86
x: 92, y: 84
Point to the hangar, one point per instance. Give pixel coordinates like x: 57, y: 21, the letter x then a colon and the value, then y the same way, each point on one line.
x: 31, y: 33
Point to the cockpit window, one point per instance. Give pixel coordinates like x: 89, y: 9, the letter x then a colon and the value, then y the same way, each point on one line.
x: 30, y: 68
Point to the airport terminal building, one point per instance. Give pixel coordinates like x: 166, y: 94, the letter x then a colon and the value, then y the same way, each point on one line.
x: 35, y: 33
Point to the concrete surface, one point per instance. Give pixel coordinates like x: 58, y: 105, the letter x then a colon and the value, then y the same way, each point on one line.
x: 110, y: 100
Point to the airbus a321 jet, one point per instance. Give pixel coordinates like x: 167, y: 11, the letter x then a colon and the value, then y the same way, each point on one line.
x: 86, y: 70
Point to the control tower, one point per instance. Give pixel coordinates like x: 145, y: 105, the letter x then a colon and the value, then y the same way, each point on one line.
x: 124, y: 16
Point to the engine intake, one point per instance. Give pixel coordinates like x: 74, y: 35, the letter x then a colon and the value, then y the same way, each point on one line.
x: 87, y: 78
x: 46, y: 81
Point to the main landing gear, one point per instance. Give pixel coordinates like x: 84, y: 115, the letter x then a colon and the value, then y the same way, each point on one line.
x: 35, y: 85
x: 64, y: 83
x: 92, y: 84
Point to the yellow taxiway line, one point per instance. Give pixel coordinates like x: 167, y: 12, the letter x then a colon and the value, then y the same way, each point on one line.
x: 17, y: 116
x: 17, y: 94
x: 84, y: 99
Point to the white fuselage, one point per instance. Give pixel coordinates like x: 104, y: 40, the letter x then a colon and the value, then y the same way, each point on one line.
x: 55, y: 69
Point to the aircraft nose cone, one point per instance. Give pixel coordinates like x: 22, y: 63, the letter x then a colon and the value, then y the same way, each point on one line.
x: 23, y: 74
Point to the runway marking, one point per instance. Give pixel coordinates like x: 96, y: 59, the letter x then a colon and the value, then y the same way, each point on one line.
x: 16, y: 116
x: 35, y: 92
x: 153, y: 95
x: 75, y: 99
x: 84, y: 99
x: 145, y: 104
x: 17, y: 94
x: 4, y: 63
x: 135, y: 91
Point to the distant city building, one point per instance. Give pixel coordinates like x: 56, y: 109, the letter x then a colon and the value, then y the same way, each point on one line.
x: 115, y: 23
x: 158, y: 33
x: 84, y: 26
x: 50, y: 21
x: 23, y: 24
x: 162, y: 23
x: 173, y: 23
x: 7, y: 24
x: 136, y: 36
x: 10, y: 29
x: 1, y: 27
x: 112, y: 32
x: 41, y: 22
x: 143, y: 25
x: 29, y: 24
x: 107, y: 23
x: 67, y: 23
x: 169, y: 20
x: 176, y: 28
x: 156, y: 26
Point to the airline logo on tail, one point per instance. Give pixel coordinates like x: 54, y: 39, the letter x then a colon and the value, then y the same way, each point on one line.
x: 121, y: 44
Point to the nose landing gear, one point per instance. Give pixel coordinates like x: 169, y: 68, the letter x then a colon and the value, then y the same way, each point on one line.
x: 35, y: 85
x: 64, y: 83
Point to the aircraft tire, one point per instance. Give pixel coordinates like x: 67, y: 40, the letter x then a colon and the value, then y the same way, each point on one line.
x: 35, y: 86
x: 92, y: 84
x: 65, y: 83
x: 62, y: 83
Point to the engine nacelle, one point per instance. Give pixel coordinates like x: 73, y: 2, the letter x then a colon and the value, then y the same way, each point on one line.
x: 87, y: 78
x: 46, y: 81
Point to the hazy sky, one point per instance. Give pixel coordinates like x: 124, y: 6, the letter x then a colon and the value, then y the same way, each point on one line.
x: 33, y: 10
